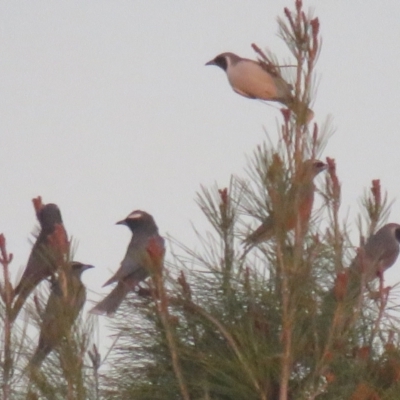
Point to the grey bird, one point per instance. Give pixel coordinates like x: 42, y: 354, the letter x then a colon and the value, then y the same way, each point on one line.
x: 67, y: 297
x: 134, y: 267
x: 378, y: 254
x: 251, y: 79
x: 41, y: 263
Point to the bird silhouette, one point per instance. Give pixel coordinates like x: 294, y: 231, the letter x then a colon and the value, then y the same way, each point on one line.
x: 67, y: 297
x: 135, y: 265
x: 378, y: 254
x: 296, y: 206
x: 255, y: 80
x: 44, y: 255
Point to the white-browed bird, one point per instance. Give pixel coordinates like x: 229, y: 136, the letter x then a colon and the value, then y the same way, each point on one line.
x: 134, y: 267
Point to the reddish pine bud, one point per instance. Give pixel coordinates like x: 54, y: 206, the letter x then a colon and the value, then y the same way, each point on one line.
x: 315, y: 26
x: 340, y: 288
x: 376, y: 192
x: 37, y: 204
x: 5, y: 257
x: 223, y: 194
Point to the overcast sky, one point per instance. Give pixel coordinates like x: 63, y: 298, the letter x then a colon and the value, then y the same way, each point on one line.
x: 107, y: 107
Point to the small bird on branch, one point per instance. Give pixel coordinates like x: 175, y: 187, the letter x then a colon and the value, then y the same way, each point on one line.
x: 135, y: 265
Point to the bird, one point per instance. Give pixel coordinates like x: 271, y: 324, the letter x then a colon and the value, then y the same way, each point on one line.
x: 253, y: 80
x: 296, y: 206
x: 134, y: 267
x: 65, y: 302
x: 378, y: 254
x: 42, y: 260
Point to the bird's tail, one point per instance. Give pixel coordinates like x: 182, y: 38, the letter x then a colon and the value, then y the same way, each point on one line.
x: 20, y: 301
x: 113, y: 300
x: 263, y: 233
x: 23, y: 290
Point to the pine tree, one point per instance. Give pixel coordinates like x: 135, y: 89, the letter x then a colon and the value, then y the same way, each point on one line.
x: 278, y: 304
x: 249, y: 318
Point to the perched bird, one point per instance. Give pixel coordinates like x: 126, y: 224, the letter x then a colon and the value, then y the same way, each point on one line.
x: 251, y: 79
x: 296, y: 206
x: 66, y: 300
x: 41, y: 263
x: 134, y: 266
x: 378, y: 254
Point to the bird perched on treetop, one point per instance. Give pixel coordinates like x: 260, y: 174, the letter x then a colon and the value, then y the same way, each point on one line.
x: 296, y: 205
x: 252, y: 79
x: 134, y: 267
x: 67, y: 297
x: 378, y: 254
x: 42, y: 260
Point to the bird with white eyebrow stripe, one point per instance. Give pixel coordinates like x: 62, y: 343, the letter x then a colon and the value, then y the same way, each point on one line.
x: 134, y: 268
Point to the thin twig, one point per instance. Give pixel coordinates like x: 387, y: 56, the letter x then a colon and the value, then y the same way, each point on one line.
x: 156, y: 255
x: 287, y: 321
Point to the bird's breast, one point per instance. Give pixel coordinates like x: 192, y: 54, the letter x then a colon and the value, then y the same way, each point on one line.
x: 250, y: 80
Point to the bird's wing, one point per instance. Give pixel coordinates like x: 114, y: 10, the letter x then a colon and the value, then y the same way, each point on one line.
x: 263, y: 233
x: 381, y: 253
x: 249, y: 79
x: 135, y: 261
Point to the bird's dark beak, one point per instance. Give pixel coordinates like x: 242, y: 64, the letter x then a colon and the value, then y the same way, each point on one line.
x: 122, y: 222
x: 212, y: 62
x: 87, y: 266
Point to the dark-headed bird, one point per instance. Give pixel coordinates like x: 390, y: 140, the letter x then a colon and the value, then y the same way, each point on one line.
x: 42, y: 260
x: 296, y: 206
x: 134, y: 267
x: 67, y: 297
x: 251, y: 79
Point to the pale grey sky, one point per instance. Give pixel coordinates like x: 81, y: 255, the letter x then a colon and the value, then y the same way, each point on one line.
x: 107, y: 107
